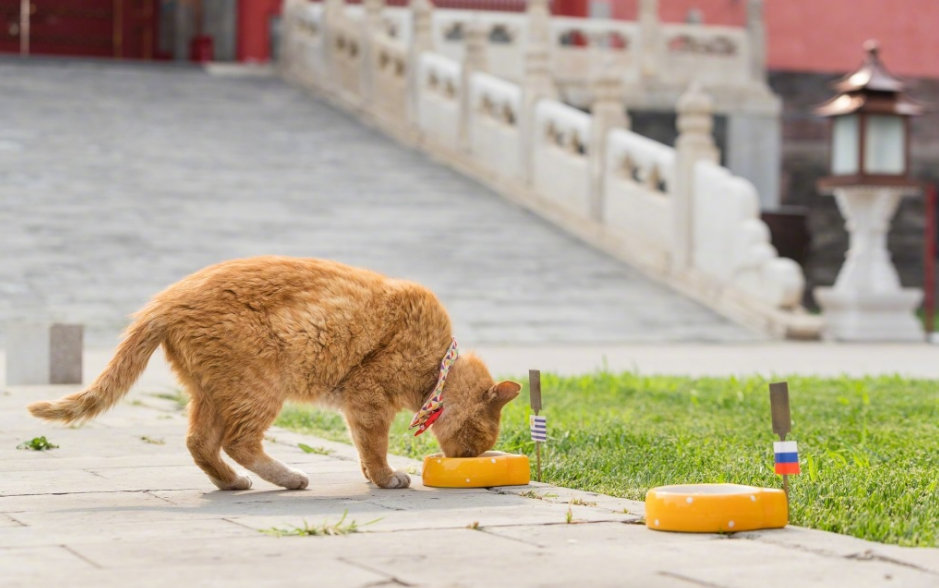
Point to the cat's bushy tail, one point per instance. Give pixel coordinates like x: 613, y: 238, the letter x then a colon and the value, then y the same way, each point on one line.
x: 141, y: 339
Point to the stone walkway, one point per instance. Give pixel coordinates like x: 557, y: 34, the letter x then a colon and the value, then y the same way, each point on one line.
x: 117, y: 180
x: 120, y: 503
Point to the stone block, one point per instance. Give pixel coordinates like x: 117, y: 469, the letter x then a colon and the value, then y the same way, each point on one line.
x: 40, y: 354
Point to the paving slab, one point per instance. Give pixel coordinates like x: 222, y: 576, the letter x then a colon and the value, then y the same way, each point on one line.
x: 106, y: 507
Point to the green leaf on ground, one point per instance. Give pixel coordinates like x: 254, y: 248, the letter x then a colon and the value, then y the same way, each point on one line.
x: 177, y: 395
x: 317, y: 450
x: 37, y: 444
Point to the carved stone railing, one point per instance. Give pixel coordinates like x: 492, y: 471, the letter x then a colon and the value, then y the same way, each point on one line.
x: 637, y: 203
x: 579, y: 42
x: 675, y: 54
x: 712, y: 55
x: 732, y: 245
x: 561, y: 171
x: 494, y: 126
x: 439, y: 99
x: 389, y: 63
x: 675, y: 213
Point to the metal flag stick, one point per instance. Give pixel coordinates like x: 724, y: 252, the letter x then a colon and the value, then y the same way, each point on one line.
x: 534, y: 387
x: 782, y: 421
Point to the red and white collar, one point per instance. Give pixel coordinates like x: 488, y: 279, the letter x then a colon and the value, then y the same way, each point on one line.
x: 433, y: 408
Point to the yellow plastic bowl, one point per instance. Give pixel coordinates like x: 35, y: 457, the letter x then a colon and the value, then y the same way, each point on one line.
x: 715, y: 508
x: 492, y: 468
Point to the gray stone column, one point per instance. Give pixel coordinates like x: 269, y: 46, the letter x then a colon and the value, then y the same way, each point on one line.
x: 422, y: 13
x: 649, y: 36
x: 695, y: 143
x: 756, y: 33
x: 607, y: 113
x: 40, y: 353
x: 474, y: 60
x: 754, y: 151
x: 220, y: 21
x: 184, y: 29
x: 537, y: 79
x: 371, y: 27
x: 333, y: 15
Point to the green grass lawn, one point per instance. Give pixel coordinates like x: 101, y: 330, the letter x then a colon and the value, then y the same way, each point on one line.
x: 869, y: 448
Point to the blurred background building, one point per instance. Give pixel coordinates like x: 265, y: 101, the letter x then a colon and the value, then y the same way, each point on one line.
x: 808, y: 45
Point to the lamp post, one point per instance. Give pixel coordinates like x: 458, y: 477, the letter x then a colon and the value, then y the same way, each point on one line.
x: 870, y: 149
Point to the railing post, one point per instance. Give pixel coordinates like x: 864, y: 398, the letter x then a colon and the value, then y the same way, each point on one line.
x: 422, y: 14
x: 695, y: 143
x: 649, y: 37
x: 756, y: 33
x: 371, y: 28
x: 474, y: 60
x: 607, y: 113
x: 333, y: 15
x: 537, y: 80
x: 26, y: 8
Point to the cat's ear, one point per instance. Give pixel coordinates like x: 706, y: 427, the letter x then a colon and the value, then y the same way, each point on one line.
x: 502, y: 393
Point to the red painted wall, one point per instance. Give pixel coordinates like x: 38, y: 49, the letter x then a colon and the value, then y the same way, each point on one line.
x: 254, y: 29
x: 827, y: 35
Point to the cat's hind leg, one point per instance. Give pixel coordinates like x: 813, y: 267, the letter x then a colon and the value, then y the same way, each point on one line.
x: 243, y: 441
x: 205, y: 444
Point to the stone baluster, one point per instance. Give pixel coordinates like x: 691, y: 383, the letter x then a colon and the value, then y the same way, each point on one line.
x: 474, y: 60
x: 756, y: 33
x: 607, y: 113
x: 334, y: 13
x: 537, y: 79
x: 287, y: 56
x: 695, y: 143
x: 371, y: 28
x: 649, y: 38
x: 40, y: 353
x: 422, y: 39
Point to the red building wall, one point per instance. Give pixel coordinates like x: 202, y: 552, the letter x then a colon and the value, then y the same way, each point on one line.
x: 826, y: 35
x: 254, y: 34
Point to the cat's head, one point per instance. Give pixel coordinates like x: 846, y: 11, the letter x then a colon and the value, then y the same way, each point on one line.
x: 473, y: 405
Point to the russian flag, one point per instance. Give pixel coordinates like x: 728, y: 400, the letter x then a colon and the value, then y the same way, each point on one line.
x: 787, y: 457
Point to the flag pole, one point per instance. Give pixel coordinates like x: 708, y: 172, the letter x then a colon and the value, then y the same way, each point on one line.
x: 782, y: 420
x: 538, y: 455
x: 534, y: 389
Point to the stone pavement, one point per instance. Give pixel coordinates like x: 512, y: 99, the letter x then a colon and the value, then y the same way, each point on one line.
x: 117, y: 180
x: 767, y: 359
x: 120, y: 503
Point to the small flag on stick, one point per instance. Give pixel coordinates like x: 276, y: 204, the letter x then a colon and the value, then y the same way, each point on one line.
x: 787, y: 457
x: 539, y: 428
x: 539, y: 424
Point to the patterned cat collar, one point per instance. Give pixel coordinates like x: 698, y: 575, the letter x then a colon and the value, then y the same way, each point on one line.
x: 433, y: 408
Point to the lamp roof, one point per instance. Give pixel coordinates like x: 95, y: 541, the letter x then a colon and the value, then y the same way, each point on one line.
x: 871, y: 75
x: 870, y: 88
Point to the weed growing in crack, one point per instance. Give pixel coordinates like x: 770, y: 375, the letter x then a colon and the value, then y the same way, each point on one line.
x: 37, y: 444
x: 340, y: 527
x: 317, y: 450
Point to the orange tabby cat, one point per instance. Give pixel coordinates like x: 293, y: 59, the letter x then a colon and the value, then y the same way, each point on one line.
x: 244, y: 336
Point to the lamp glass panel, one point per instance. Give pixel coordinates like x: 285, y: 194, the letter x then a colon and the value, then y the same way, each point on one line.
x: 844, y: 145
x: 885, y: 145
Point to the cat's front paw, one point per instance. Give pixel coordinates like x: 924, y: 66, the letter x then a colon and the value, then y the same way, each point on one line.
x: 396, y: 480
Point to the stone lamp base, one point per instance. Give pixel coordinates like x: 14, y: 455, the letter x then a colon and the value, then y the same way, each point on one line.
x: 885, y: 316
x: 867, y: 302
